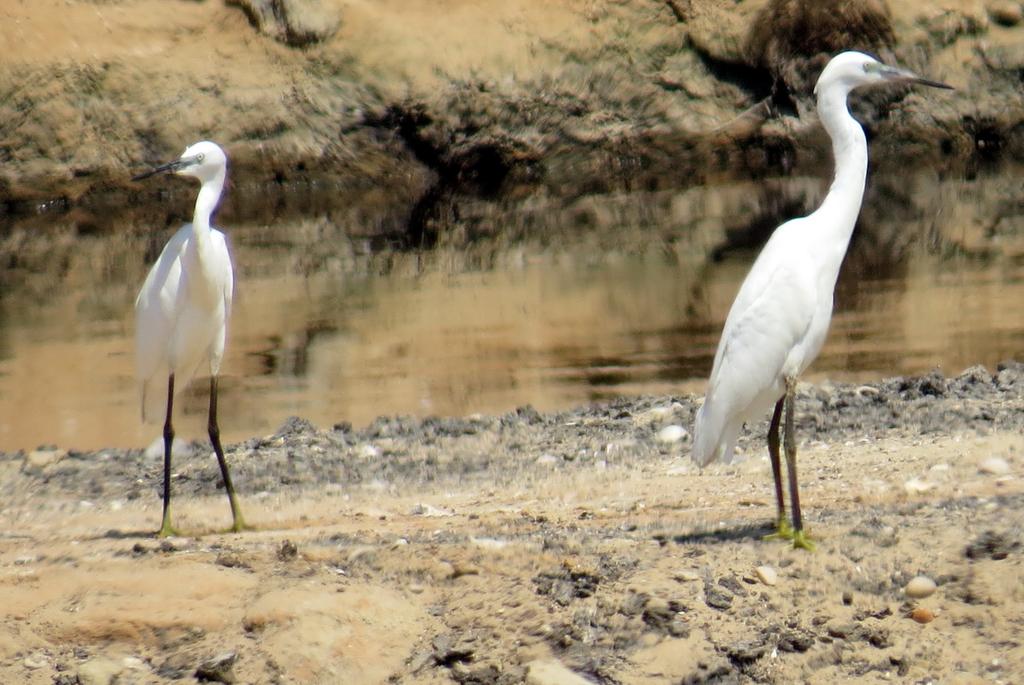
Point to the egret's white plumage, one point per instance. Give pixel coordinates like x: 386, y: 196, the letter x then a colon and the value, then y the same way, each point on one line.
x: 780, y: 317
x: 182, y: 311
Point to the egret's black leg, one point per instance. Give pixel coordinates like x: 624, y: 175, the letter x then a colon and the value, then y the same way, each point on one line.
x: 214, y: 430
x: 166, y: 528
x: 800, y: 539
x: 782, y: 529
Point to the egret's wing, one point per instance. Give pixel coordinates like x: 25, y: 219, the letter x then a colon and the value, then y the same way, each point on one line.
x: 761, y: 330
x: 154, y: 324
x: 780, y: 251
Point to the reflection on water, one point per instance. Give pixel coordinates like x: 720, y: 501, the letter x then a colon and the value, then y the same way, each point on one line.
x: 563, y: 303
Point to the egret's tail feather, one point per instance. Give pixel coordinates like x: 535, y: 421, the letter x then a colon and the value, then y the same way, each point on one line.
x: 711, y: 439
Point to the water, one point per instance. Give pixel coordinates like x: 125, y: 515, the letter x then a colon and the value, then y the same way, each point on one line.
x: 547, y: 302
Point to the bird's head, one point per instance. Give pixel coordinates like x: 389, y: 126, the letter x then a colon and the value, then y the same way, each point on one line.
x: 203, y: 160
x: 849, y: 70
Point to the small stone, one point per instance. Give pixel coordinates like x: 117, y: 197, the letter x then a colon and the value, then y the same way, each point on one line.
x: 717, y: 599
x: 686, y: 577
x: 841, y: 630
x: 551, y: 672
x: 368, y: 451
x: 219, y: 669
x: 492, y: 544
x: 99, y: 671
x: 922, y: 615
x: 920, y: 587
x: 287, y: 551
x: 653, y: 415
x: 429, y: 510
x: 297, y: 23
x: 994, y: 466
x: 134, y: 663
x: 1006, y: 13
x: 671, y: 434
x: 745, y: 653
x: 37, y: 460
x: 231, y: 560
x: 35, y: 661
x: 794, y: 641
x: 991, y: 544
x: 459, y: 569
x: 767, y: 575
x: 917, y: 486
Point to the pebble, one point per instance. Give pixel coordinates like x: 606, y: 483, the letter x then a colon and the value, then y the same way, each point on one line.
x: 218, y: 669
x: 1006, y: 13
x: 656, y: 415
x: 922, y: 615
x: 35, y: 661
x: 995, y: 466
x: 134, y: 663
x: 767, y: 575
x: 99, y: 671
x: 368, y: 451
x: 547, y: 460
x: 671, y: 434
x: 552, y: 672
x: 686, y: 576
x: 916, y: 486
x: 429, y: 510
x: 287, y: 551
x: 40, y: 459
x: 920, y: 587
x: 489, y: 543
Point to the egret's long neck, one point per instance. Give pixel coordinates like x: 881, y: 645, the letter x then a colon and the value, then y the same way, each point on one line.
x: 849, y: 148
x: 209, y: 196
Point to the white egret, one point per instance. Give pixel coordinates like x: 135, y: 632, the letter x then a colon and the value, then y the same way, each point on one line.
x: 780, y: 317
x: 182, y: 311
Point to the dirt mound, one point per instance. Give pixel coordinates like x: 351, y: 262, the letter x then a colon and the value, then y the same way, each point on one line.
x: 575, y: 97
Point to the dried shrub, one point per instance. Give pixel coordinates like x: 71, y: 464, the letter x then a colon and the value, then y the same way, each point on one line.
x: 793, y: 39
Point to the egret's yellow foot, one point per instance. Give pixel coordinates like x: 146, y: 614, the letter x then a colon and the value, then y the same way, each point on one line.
x: 167, y: 530
x: 783, y: 531
x: 802, y: 540
x: 238, y: 526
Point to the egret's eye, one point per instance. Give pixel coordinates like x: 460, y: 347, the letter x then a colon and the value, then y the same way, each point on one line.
x: 200, y: 157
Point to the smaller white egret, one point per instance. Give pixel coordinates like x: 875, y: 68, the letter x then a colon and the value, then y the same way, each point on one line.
x: 181, y: 313
x: 780, y: 317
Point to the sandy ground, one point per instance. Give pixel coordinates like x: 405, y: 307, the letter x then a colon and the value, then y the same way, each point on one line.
x: 543, y: 548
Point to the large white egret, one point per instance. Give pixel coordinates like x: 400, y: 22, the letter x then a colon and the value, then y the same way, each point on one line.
x: 182, y: 311
x: 780, y: 317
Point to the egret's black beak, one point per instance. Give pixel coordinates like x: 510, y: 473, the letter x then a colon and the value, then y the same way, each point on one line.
x: 928, y: 82
x: 170, y: 167
x: 910, y: 77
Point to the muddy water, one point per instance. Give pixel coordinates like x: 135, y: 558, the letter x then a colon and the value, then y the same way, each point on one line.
x: 546, y: 302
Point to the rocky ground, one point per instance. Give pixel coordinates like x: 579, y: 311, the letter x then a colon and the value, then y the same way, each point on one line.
x: 574, y: 547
